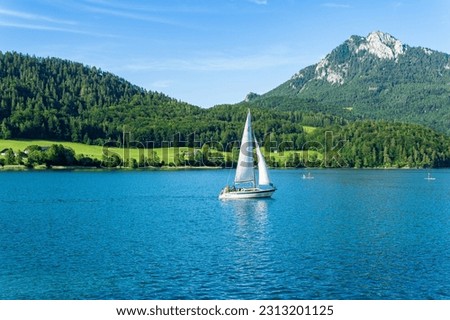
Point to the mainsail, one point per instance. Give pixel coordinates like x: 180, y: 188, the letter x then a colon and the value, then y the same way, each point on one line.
x: 245, y: 171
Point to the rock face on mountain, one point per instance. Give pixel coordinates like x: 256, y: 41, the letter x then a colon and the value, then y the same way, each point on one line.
x: 375, y: 76
x: 380, y: 45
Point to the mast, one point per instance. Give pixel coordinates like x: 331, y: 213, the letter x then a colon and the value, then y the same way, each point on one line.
x: 245, y: 171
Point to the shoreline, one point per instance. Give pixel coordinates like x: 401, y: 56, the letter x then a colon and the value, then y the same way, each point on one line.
x: 81, y: 168
x: 12, y: 168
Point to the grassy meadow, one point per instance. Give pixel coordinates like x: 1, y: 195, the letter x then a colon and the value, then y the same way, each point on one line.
x: 167, y: 154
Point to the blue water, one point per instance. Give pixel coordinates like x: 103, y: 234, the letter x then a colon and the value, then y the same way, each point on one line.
x: 347, y: 234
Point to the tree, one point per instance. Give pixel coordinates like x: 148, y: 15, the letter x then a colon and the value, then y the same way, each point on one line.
x: 5, y: 132
x: 59, y: 155
x: 205, y: 155
x: 111, y: 161
x: 10, y: 157
x: 153, y: 159
x: 35, y: 157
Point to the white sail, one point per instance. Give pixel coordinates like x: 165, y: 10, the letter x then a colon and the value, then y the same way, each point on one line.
x: 263, y: 174
x: 245, y: 171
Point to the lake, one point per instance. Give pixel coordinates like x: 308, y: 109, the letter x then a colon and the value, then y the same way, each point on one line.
x: 346, y: 234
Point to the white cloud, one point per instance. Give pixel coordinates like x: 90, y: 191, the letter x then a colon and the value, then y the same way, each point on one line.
x: 30, y: 16
x: 161, y: 84
x: 397, y: 4
x: 31, y: 21
x: 260, y: 2
x: 51, y: 28
x: 216, y: 62
x: 142, y: 12
x: 130, y: 15
x: 335, y: 5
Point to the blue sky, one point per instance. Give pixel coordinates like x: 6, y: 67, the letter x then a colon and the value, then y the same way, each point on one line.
x: 211, y: 52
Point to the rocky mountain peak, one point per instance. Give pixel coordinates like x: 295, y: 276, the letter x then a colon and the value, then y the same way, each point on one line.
x: 334, y: 68
x: 382, y: 45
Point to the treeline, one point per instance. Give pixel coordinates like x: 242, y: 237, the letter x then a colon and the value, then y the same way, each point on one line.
x: 54, y: 155
x: 362, y: 144
x: 368, y: 144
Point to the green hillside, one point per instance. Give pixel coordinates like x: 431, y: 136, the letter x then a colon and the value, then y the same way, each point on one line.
x: 50, y: 98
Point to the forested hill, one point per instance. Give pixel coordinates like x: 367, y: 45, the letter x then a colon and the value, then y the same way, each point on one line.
x: 375, y: 77
x: 58, y: 99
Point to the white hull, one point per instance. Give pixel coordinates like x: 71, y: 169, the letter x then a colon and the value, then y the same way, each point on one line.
x: 252, y: 193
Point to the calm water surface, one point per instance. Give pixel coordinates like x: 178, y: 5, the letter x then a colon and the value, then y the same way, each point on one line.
x: 347, y: 234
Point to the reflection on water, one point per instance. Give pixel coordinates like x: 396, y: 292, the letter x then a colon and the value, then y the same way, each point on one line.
x: 251, y: 256
x: 248, y: 211
x: 251, y: 218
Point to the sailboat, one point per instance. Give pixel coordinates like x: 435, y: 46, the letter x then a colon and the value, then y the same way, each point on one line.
x: 429, y: 177
x: 245, y: 184
x: 308, y: 176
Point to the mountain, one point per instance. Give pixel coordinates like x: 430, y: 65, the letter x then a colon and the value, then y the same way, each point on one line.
x: 375, y: 77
